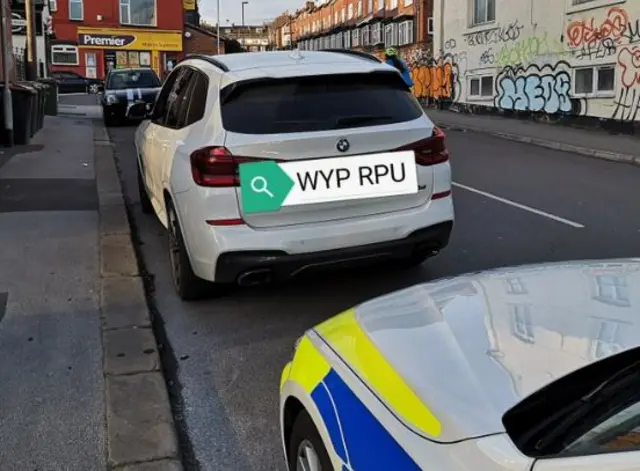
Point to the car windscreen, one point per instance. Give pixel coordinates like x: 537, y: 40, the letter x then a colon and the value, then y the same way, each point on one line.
x: 317, y: 103
x: 589, y: 411
x: 132, y: 79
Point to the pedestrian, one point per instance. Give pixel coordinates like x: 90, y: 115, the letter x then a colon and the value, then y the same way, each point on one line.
x: 391, y: 58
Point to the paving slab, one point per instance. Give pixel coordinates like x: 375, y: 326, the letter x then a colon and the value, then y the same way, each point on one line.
x: 139, y: 422
x: 123, y: 303
x: 129, y: 351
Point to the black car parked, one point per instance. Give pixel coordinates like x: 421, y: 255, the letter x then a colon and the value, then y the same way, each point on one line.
x: 71, y: 82
x: 125, y: 88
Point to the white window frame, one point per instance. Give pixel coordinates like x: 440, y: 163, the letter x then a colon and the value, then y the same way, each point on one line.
x: 602, y: 346
x: 81, y: 3
x: 67, y: 49
x: 405, y: 33
x: 359, y: 9
x: 391, y: 30
x: 53, y: 5
x: 480, y: 96
x: 595, y: 92
x: 393, y: 4
x: 370, y: 7
x: 365, y: 35
x: 344, y: 15
x: 430, y: 25
x: 522, y: 322
x: 350, y: 11
x: 376, y: 32
x: 347, y: 39
x: 487, y: 19
x: 355, y: 37
x: 381, y: 5
x: 127, y: 4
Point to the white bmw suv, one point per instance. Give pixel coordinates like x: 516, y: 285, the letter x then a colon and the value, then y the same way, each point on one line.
x: 215, y: 113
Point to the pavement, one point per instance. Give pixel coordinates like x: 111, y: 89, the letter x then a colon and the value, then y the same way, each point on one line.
x: 592, y: 143
x: 82, y: 384
x: 515, y: 202
x: 79, y: 105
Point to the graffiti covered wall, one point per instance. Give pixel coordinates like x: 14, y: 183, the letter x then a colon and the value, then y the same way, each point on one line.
x: 540, y: 56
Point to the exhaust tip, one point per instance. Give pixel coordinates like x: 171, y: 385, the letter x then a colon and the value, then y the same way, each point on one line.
x: 255, y: 277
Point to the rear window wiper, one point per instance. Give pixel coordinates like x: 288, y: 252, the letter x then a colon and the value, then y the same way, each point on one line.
x: 360, y: 119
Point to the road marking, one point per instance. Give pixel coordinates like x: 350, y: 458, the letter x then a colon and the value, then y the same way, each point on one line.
x: 520, y: 206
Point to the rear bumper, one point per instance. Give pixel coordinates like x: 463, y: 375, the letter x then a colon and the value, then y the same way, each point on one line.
x: 279, y: 265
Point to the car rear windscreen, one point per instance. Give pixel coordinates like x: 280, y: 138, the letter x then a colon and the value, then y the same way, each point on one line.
x: 317, y: 103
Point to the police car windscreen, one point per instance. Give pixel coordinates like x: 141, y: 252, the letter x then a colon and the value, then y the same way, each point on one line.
x: 317, y: 103
x: 133, y: 79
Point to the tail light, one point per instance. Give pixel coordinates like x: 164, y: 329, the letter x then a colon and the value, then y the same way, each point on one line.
x: 430, y: 151
x: 217, y: 167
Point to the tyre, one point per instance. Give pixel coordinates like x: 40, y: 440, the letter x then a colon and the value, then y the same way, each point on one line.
x: 306, y: 447
x: 109, y: 120
x: 186, y: 283
x: 145, y: 201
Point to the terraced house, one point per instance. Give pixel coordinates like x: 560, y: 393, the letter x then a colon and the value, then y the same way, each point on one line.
x: 368, y: 25
x: 565, y: 58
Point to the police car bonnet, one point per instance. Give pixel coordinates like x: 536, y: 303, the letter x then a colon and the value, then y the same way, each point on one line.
x: 106, y: 40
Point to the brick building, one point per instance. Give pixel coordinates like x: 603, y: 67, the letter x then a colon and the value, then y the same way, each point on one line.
x: 94, y: 36
x: 369, y: 25
x: 200, y: 40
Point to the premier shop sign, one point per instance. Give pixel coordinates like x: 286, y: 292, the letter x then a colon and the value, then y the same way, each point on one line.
x: 106, y: 40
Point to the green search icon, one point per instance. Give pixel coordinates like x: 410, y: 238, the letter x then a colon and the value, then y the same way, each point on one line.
x: 259, y: 185
x: 263, y: 186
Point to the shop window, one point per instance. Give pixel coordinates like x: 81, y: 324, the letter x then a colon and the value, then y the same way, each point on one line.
x: 138, y: 12
x: 64, y: 55
x: 91, y: 65
x: 76, y: 10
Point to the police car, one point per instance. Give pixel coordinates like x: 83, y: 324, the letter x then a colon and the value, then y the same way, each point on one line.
x: 535, y: 368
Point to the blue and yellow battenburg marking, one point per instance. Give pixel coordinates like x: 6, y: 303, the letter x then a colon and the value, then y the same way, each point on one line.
x: 358, y: 438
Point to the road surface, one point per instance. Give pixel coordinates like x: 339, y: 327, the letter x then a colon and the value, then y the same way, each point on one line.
x: 515, y: 204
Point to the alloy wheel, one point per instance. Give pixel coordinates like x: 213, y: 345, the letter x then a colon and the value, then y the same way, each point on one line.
x: 93, y: 88
x: 307, y: 459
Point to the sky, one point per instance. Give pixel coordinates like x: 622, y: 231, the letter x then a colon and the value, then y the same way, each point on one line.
x: 255, y: 13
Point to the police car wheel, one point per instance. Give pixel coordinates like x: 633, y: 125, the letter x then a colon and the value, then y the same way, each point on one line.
x: 306, y: 450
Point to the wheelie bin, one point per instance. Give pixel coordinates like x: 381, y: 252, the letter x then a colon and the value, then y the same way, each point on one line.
x: 23, y: 99
x: 51, y: 96
x: 34, y: 104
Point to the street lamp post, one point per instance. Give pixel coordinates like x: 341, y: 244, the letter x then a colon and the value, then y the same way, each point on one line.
x: 243, y: 4
x: 218, y: 30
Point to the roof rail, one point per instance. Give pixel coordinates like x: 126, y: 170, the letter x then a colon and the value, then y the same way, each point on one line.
x: 210, y: 60
x: 362, y: 55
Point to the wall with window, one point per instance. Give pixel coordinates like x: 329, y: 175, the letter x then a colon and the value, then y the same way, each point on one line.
x: 161, y: 14
x: 560, y: 57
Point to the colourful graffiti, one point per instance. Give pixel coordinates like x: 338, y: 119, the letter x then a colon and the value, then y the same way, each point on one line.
x: 529, y: 49
x: 585, y: 32
x: 434, y: 81
x: 629, y: 61
x: 540, y: 89
x: 628, y: 100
